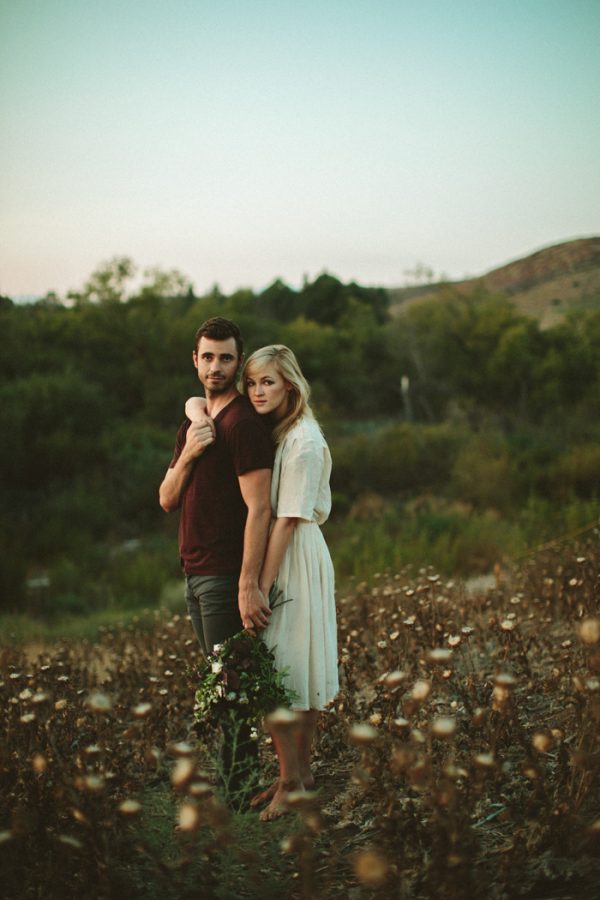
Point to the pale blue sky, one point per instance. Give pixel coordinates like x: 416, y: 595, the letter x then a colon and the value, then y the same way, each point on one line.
x: 242, y: 141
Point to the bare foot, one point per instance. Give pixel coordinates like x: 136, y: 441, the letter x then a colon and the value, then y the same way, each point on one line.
x: 265, y: 795
x: 278, y: 805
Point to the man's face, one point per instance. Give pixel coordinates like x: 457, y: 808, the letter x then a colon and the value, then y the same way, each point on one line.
x: 217, y: 363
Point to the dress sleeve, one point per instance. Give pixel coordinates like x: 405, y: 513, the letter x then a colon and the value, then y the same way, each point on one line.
x: 301, y: 468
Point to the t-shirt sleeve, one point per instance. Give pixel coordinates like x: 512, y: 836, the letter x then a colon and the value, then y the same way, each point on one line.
x: 301, y: 470
x: 180, y: 441
x: 251, y: 446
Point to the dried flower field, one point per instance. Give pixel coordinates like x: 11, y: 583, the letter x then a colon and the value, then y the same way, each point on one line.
x: 461, y: 758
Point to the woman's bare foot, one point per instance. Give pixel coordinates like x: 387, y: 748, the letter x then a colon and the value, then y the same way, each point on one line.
x: 278, y: 805
x: 265, y: 795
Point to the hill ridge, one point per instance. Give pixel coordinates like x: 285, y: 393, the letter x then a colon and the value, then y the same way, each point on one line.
x: 541, y: 284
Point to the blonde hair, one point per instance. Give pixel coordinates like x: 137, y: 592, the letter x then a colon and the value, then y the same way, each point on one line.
x: 286, y: 364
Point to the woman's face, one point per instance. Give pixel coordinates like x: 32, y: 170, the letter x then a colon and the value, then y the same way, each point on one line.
x: 268, y: 391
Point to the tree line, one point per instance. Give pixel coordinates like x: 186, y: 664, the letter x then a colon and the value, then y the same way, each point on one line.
x: 93, y: 390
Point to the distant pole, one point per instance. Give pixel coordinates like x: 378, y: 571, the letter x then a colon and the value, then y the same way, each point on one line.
x: 405, y: 388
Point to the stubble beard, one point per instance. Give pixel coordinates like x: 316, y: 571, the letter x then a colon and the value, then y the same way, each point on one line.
x: 217, y: 389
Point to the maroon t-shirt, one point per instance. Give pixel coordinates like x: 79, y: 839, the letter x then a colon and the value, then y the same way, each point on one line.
x: 213, y: 512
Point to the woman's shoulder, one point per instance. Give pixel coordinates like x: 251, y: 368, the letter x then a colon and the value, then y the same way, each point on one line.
x: 305, y: 432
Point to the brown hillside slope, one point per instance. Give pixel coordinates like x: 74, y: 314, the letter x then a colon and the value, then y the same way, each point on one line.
x: 545, y: 284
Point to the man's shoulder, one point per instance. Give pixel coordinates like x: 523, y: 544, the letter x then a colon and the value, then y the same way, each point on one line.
x: 241, y: 412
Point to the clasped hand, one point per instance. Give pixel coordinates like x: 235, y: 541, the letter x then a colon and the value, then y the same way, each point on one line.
x: 201, y: 434
x: 254, y: 610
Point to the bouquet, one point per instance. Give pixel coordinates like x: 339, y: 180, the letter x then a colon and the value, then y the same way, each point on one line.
x: 239, y: 678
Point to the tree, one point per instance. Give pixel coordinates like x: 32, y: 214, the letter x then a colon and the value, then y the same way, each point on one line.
x: 166, y: 283
x: 108, y: 283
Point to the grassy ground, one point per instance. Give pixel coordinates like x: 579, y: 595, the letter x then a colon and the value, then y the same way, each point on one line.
x: 460, y: 759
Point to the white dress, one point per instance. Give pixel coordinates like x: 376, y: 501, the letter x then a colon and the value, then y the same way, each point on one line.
x: 302, y: 631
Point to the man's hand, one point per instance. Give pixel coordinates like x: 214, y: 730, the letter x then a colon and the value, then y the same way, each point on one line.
x: 254, y: 608
x: 200, y: 435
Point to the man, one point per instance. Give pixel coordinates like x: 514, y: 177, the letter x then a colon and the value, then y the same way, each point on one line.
x: 220, y: 478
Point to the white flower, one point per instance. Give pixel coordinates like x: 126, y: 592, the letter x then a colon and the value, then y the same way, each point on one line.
x: 217, y: 666
x: 231, y: 695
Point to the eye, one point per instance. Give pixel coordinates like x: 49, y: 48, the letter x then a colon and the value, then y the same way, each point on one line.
x: 249, y: 383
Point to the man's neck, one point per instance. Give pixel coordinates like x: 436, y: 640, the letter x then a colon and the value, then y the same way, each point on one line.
x: 217, y: 402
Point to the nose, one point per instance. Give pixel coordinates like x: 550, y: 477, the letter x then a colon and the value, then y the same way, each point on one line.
x: 258, y: 390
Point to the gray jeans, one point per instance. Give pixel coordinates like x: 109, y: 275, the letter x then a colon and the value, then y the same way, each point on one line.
x: 212, y: 602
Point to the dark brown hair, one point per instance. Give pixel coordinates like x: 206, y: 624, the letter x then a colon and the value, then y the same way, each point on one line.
x: 219, y: 329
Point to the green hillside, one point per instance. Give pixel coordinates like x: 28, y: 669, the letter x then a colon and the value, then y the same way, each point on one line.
x: 547, y: 284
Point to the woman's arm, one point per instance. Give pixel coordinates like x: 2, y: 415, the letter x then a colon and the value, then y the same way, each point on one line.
x: 195, y: 408
x: 279, y: 539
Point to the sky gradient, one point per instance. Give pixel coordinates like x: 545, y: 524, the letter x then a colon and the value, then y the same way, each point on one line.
x: 244, y: 141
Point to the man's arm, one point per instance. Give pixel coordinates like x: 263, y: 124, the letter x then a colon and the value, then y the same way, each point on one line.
x: 255, y: 487
x: 199, y: 436
x: 279, y: 539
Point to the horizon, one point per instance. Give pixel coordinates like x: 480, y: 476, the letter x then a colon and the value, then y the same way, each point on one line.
x: 254, y: 141
x: 33, y: 298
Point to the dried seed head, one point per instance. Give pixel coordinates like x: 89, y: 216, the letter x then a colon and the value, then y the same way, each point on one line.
x: 201, y: 789
x: 363, y: 734
x: 130, y: 808
x: 400, y: 724
x: 182, y: 773
x: 376, y: 719
x: 484, y: 760
x: 542, y: 742
x: 99, y: 703
x: 454, y: 640
x: 500, y: 697
x: 282, y: 718
x: 439, y: 656
x: 40, y: 697
x: 152, y: 756
x: 181, y: 748
x: 589, y: 631
x: 189, y: 817
x: 93, y: 784
x: 443, y: 727
x: 67, y: 841
x: 505, y: 680
x: 421, y: 690
x: 92, y: 750
x: 508, y: 625
x: 303, y: 800
x: 39, y: 763
x: 142, y: 710
x: 479, y: 717
x: 371, y: 868
x: 393, y: 679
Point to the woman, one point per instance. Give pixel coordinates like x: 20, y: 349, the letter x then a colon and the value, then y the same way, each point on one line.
x: 297, y: 569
